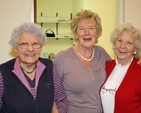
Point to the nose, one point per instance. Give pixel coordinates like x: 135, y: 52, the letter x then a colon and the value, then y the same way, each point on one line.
x: 123, y: 44
x: 30, y: 47
x: 86, y: 31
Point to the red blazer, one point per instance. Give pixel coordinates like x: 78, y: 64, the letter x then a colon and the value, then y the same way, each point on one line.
x: 128, y: 95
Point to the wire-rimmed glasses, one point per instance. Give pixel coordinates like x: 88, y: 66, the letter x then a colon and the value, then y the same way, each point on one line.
x: 25, y: 45
x: 111, y: 91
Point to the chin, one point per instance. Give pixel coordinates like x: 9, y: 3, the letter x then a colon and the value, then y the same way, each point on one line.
x: 30, y: 61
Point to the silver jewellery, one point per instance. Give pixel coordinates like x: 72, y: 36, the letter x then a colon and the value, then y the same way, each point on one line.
x: 86, y: 59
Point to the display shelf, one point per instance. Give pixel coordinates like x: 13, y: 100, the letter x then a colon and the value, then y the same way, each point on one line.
x: 62, y: 37
x: 58, y: 20
x: 53, y: 20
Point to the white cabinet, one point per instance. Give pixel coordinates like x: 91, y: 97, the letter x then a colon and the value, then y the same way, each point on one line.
x: 55, y: 15
x: 59, y: 25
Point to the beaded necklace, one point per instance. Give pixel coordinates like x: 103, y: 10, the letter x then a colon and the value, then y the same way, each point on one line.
x: 29, y: 72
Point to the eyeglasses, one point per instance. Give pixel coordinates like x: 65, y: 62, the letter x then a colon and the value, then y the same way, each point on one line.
x: 25, y: 45
x: 111, y: 91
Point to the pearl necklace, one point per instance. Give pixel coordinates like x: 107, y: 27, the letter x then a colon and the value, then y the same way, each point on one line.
x: 86, y: 59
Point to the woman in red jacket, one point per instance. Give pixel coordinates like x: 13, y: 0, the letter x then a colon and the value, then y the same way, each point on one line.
x: 121, y: 92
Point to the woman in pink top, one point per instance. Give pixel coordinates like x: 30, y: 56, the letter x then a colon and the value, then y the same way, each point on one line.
x: 28, y: 83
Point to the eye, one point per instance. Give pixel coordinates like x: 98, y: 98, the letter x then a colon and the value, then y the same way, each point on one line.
x: 81, y: 28
x: 24, y: 44
x: 119, y: 40
x: 35, y: 44
x: 91, y: 27
x: 129, y: 43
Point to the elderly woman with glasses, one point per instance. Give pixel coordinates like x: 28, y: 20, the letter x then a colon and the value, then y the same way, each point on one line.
x: 28, y: 83
x: 121, y: 93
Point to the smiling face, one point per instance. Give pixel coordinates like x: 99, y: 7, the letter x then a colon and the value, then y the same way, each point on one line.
x: 125, y: 47
x: 29, y: 55
x: 86, y: 32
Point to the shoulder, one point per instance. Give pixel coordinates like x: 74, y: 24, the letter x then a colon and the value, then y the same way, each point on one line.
x: 110, y: 63
x: 100, y: 52
x: 46, y: 62
x: 99, y: 48
x: 109, y: 66
x: 8, y: 64
x: 66, y: 52
x: 135, y: 65
x: 43, y: 60
x: 63, y: 54
x: 135, y: 69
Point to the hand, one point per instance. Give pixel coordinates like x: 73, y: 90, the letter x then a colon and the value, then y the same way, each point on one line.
x: 139, y: 61
x: 54, y: 109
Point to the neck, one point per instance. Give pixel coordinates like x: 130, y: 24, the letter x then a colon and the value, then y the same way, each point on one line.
x: 84, y: 58
x: 29, y: 72
x: 124, y: 62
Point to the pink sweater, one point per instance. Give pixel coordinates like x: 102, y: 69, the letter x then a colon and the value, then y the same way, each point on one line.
x: 128, y: 95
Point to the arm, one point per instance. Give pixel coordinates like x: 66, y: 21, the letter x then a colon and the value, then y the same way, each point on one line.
x: 59, y: 93
x: 54, y: 109
x: 1, y: 89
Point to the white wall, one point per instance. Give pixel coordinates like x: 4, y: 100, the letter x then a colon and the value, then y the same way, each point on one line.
x: 119, y: 11
x: 129, y: 11
x: 12, y: 14
x: 15, y: 12
x: 132, y: 12
x: 77, y: 6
